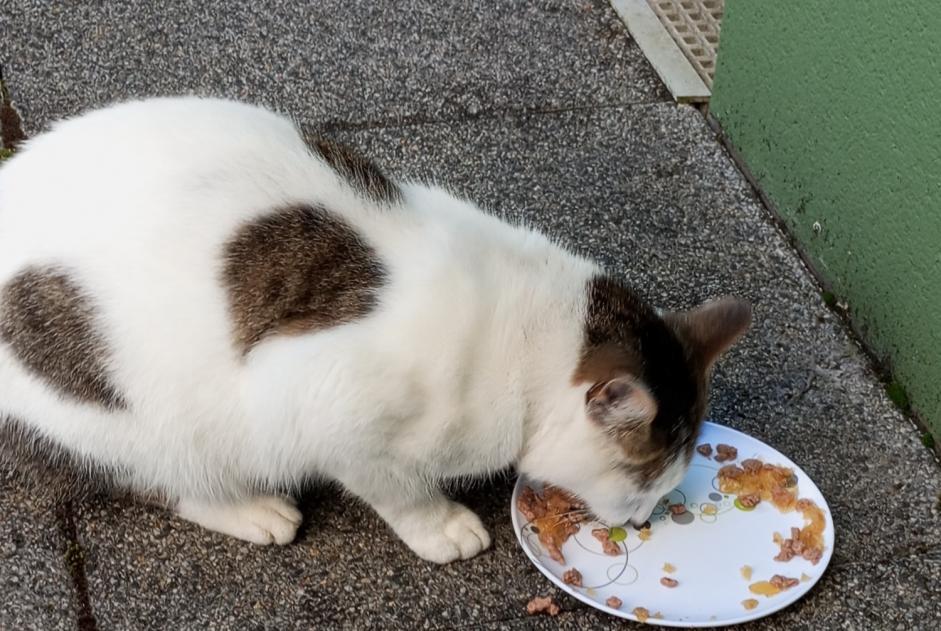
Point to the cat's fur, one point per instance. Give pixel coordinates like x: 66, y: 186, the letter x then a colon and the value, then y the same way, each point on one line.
x: 208, y: 308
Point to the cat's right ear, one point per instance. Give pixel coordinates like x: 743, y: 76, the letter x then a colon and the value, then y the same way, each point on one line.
x: 621, y: 404
x: 711, y: 328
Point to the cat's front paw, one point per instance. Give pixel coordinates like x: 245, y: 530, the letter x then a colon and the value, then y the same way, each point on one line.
x: 456, y: 534
x: 263, y: 520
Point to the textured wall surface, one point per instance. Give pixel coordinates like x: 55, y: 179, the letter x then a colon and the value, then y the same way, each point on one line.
x: 837, y: 112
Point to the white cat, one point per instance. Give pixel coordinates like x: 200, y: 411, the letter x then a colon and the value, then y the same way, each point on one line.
x: 198, y: 304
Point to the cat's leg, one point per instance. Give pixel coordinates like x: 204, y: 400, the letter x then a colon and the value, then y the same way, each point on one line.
x: 435, y: 528
x: 263, y: 519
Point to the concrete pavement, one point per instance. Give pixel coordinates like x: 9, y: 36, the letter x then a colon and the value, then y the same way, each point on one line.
x: 545, y: 112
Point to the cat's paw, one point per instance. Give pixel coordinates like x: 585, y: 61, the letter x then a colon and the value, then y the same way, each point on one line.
x: 263, y: 520
x: 457, y: 534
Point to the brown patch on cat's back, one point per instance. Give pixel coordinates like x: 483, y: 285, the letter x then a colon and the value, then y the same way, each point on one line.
x: 361, y: 174
x: 295, y: 270
x: 49, y: 325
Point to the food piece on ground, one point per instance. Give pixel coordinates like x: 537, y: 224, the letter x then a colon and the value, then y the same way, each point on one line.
x: 749, y: 604
x: 669, y: 568
x: 705, y: 449
x: 644, y: 534
x: 542, y: 604
x: 614, y: 602
x: 641, y: 613
x: 804, y: 578
x: 572, y: 577
x: 746, y: 572
x: 666, y: 581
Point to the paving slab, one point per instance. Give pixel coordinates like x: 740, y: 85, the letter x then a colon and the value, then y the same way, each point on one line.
x: 332, y: 61
x: 649, y: 191
x: 36, y: 589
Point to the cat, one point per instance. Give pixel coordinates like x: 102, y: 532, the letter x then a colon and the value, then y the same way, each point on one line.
x: 200, y: 304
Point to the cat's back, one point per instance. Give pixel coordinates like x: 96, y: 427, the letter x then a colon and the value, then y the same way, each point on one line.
x: 142, y: 170
x: 135, y: 206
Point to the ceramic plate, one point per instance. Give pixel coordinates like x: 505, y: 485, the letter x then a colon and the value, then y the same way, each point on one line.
x: 707, y: 545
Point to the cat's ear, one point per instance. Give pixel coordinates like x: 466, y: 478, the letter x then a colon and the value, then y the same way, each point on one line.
x: 711, y: 328
x: 622, y: 402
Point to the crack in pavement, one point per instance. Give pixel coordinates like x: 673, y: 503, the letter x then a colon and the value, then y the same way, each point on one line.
x: 413, y: 120
x: 74, y: 557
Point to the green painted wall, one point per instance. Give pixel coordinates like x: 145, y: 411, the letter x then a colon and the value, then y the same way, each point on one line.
x: 836, y: 110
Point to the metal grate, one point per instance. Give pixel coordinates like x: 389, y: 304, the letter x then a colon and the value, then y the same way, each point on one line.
x: 694, y: 25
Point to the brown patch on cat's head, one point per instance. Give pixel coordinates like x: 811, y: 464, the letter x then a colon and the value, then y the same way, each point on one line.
x: 648, y: 375
x: 295, y: 270
x: 361, y: 174
x: 50, y: 327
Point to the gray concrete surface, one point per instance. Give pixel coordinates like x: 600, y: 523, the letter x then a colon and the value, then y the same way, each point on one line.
x: 544, y: 112
x: 36, y: 588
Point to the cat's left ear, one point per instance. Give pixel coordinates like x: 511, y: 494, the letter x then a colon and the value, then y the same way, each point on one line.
x: 711, y: 328
x: 622, y: 403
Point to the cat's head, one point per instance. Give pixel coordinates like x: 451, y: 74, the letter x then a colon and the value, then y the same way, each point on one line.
x: 641, y: 384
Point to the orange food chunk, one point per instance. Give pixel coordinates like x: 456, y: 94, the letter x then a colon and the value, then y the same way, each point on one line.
x: 572, y: 577
x: 641, y: 613
x: 541, y: 604
x: 643, y: 534
x: 769, y: 482
x: 756, y: 479
x: 746, y: 572
x: 806, y: 542
x: 764, y: 588
x: 669, y: 568
x: 555, y: 515
x: 749, y: 604
x: 614, y: 602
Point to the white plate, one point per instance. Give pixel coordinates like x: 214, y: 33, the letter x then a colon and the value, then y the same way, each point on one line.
x: 707, y: 552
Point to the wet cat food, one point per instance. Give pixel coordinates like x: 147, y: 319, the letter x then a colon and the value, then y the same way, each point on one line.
x: 604, y: 536
x: 724, y: 453
x: 572, y: 577
x: 555, y: 516
x: 806, y: 542
x: 614, y: 602
x: 783, y: 582
x: 542, y: 604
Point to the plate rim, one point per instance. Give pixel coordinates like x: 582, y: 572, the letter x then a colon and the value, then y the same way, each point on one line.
x: 627, y: 615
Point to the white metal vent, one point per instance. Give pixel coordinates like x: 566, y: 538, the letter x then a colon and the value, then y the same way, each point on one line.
x: 694, y: 26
